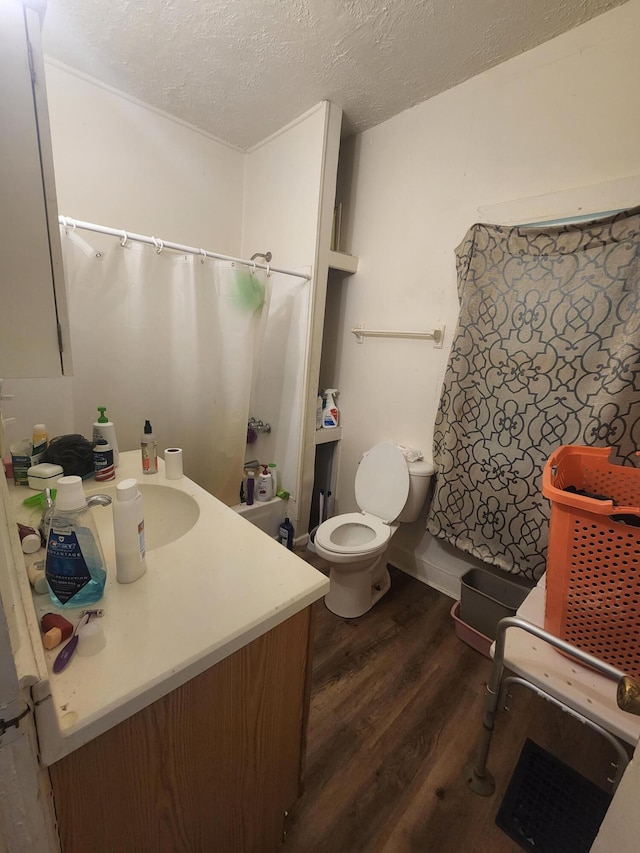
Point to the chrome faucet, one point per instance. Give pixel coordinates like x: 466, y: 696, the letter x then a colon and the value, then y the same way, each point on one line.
x: 258, y: 426
x: 99, y: 500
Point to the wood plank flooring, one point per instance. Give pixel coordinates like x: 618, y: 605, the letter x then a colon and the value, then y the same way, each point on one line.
x: 396, y: 710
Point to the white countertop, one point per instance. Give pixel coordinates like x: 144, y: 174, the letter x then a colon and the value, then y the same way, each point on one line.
x: 203, y: 597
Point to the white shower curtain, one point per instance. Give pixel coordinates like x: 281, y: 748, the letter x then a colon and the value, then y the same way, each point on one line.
x: 172, y: 338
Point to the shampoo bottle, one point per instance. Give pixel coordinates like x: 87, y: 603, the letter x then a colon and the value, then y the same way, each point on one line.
x: 285, y: 534
x: 104, y: 428
x: 251, y: 482
x: 128, y: 529
x: 75, y: 568
x: 149, y: 447
x: 330, y: 411
x: 265, y: 485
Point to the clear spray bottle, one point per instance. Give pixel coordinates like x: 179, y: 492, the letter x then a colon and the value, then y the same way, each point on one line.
x: 330, y: 411
x: 149, y: 447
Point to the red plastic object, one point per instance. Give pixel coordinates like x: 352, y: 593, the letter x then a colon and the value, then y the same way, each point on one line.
x: 469, y: 635
x: 593, y: 560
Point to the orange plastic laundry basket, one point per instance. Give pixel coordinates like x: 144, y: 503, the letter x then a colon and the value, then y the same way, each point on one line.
x: 593, y: 561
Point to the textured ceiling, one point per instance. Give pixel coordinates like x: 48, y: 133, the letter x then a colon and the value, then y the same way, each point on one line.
x: 241, y: 69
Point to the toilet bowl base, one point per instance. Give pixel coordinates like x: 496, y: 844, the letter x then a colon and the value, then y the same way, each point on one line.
x: 353, y: 593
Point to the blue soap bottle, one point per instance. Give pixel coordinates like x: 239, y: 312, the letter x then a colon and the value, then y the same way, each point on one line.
x: 75, y: 567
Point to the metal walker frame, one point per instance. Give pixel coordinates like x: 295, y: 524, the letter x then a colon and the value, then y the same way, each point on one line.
x: 477, y: 775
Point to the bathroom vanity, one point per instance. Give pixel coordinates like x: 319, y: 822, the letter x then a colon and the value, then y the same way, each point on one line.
x: 186, y: 732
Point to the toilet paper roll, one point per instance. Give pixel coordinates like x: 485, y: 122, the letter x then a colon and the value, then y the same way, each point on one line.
x: 173, y: 463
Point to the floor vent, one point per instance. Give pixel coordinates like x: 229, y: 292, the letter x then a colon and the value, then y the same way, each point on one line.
x: 549, y: 807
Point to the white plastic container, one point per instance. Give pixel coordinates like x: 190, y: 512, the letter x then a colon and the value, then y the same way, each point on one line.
x: 128, y: 528
x: 44, y: 476
x: 104, y: 428
x: 264, y: 491
x: 330, y: 411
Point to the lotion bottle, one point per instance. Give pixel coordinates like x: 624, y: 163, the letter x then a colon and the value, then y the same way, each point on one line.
x: 104, y: 428
x: 128, y: 528
x: 265, y: 485
x: 75, y: 567
x: 149, y: 447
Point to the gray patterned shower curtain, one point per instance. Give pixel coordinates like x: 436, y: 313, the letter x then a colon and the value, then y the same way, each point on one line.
x: 546, y: 352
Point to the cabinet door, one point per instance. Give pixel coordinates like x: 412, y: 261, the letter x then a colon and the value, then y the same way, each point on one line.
x: 32, y: 311
x: 212, y: 767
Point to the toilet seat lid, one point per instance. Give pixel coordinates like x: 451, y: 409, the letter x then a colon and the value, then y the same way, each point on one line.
x: 382, y: 481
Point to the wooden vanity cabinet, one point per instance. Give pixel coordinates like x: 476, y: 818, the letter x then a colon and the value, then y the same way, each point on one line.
x: 212, y: 766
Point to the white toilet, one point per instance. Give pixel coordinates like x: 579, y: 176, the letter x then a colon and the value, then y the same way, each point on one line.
x: 388, y: 489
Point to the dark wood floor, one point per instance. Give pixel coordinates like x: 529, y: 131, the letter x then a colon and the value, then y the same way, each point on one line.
x: 396, y: 710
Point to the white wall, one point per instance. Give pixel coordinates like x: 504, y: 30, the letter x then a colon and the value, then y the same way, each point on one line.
x: 121, y: 164
x: 564, y: 115
x: 282, y: 191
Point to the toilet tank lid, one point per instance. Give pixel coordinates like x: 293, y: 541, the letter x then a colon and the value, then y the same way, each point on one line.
x: 382, y: 481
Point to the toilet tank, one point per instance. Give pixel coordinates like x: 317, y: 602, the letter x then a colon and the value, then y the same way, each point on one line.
x: 420, y: 474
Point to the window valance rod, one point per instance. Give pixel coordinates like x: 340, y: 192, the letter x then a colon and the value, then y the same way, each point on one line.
x: 124, y: 236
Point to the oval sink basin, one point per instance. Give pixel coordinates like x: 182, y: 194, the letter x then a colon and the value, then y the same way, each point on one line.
x: 168, y: 515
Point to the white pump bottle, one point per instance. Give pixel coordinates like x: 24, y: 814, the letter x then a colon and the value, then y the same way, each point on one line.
x: 265, y: 484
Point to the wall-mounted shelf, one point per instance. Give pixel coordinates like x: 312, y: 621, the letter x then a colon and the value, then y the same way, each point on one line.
x: 324, y: 436
x: 344, y: 263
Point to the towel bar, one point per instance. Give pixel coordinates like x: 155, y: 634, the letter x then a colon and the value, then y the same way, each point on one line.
x: 436, y: 335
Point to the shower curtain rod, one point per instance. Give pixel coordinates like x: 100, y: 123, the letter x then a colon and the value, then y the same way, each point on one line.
x: 68, y: 222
